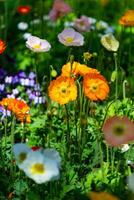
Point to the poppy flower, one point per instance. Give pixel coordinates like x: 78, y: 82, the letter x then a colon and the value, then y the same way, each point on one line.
x: 118, y: 130
x: 37, y: 45
x: 84, y: 69
x: 59, y: 9
x: 127, y: 19
x: 18, y: 107
x: 62, y: 90
x: 110, y: 42
x: 35, y: 148
x: 2, y: 46
x: 70, y: 37
x: 21, y: 151
x: 76, y: 69
x: 24, y: 10
x: 130, y: 181
x: 101, y: 196
x: 70, y: 70
x: 95, y: 86
x: 83, y: 24
x: 41, y: 166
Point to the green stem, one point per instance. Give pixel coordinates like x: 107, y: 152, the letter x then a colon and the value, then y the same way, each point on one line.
x: 101, y: 160
x: 6, y: 19
x: 116, y: 81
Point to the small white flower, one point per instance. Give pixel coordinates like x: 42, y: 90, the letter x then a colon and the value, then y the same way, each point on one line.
x: 110, y: 29
x: 68, y: 24
x: 11, y: 96
x: 26, y: 35
x: 22, y: 26
x: 101, y: 25
x: 124, y: 148
x: 39, y: 100
x: 8, y: 79
x: 40, y: 168
x: 130, y: 181
x: 21, y: 151
x: 70, y: 37
x: 37, y: 45
x: 46, y: 17
x: 35, y: 21
x: 15, y: 91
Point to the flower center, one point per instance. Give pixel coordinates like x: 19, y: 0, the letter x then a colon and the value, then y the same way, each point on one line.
x: 109, y: 41
x: 119, y: 129
x: 69, y: 40
x: 63, y: 90
x: 94, y: 87
x: 37, y: 168
x: 22, y: 157
x: 37, y: 46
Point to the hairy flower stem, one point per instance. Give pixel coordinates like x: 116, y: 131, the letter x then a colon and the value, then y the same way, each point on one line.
x: 5, y: 132
x: 124, y: 88
x: 116, y: 81
x: 12, y: 144
x: 112, y: 159
x: 68, y: 131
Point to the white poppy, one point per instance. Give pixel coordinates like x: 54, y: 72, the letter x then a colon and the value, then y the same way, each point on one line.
x: 37, y: 45
x: 40, y: 168
x: 130, y: 181
x: 110, y: 42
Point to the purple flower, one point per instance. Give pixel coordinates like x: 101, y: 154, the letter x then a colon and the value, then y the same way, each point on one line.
x: 15, y: 79
x: 2, y: 73
x: 70, y: 37
x: 2, y: 87
x: 32, y: 75
x: 4, y: 112
x: 22, y: 74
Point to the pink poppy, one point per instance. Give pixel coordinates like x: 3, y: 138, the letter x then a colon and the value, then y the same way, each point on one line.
x: 59, y: 9
x: 83, y: 24
x: 70, y: 37
x: 118, y: 130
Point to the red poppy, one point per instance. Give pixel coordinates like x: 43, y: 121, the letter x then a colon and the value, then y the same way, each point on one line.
x: 2, y: 46
x: 24, y: 10
x: 35, y: 148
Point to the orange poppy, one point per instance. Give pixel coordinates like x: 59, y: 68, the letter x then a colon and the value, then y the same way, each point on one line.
x: 8, y: 103
x: 84, y: 69
x: 2, y: 46
x: 70, y: 70
x: 127, y: 19
x: 18, y: 107
x: 24, y: 10
x: 102, y: 196
x: 62, y: 90
x: 95, y: 86
x: 76, y: 69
